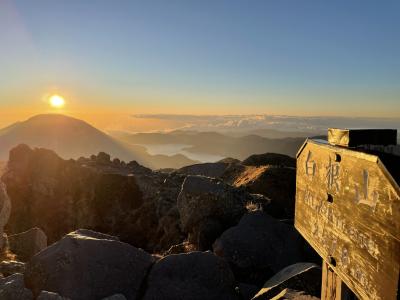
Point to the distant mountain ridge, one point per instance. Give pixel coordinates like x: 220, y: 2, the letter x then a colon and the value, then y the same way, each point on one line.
x: 72, y: 138
x: 215, y: 143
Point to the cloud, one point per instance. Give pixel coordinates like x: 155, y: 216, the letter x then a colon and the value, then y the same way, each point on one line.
x: 243, y: 123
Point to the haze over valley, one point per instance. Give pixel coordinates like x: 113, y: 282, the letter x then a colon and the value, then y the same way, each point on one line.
x: 234, y: 136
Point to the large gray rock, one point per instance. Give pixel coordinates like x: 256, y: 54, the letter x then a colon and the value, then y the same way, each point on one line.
x: 259, y: 246
x: 5, y: 210
x: 13, y: 288
x: 207, y: 207
x: 305, y: 277
x: 86, y: 265
x: 26, y: 244
x: 195, y: 275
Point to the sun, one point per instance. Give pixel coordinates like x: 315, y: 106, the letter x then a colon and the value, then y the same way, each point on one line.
x: 57, y: 101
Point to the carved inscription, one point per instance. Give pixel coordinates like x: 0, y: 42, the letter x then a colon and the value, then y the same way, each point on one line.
x: 325, y: 230
x: 333, y: 218
x: 350, y: 214
x: 363, y: 195
x: 310, y: 165
x: 332, y: 174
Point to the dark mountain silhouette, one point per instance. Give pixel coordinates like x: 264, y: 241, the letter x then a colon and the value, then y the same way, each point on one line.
x: 72, y: 138
x: 219, y: 144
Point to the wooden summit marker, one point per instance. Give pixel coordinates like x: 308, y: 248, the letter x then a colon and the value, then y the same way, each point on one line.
x: 348, y: 209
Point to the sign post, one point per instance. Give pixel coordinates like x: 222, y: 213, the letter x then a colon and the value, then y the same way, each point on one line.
x: 348, y: 209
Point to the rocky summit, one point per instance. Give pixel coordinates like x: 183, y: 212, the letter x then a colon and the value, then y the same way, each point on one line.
x: 96, y: 228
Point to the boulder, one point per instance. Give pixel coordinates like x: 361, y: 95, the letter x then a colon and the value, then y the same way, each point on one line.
x: 9, y: 267
x: 259, y: 246
x: 195, y: 275
x: 88, y: 265
x: 277, y: 183
x: 26, y: 244
x: 305, y: 277
x: 207, y: 207
x: 5, y: 210
x: 45, y: 295
x: 13, y: 288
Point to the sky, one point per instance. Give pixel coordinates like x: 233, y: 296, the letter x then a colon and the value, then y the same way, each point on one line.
x: 108, y: 58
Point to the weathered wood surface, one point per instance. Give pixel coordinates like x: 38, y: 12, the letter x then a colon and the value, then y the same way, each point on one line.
x: 333, y: 288
x: 348, y: 209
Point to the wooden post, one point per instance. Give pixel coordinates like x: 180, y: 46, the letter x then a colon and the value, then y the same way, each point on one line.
x: 333, y: 288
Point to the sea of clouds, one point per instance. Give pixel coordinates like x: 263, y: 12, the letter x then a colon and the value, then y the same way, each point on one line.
x: 245, y: 123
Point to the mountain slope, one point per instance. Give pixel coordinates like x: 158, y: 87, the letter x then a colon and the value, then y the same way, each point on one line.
x: 72, y: 138
x: 219, y: 144
x: 68, y: 136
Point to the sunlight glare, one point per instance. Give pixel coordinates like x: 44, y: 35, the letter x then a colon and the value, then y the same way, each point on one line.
x: 56, y: 101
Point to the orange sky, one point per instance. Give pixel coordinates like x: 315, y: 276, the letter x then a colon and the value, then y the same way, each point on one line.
x: 270, y: 57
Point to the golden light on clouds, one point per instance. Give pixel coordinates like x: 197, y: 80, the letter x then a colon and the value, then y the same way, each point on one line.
x: 56, y: 101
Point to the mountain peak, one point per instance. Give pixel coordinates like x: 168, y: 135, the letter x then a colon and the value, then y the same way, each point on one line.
x: 55, y: 118
x: 72, y: 138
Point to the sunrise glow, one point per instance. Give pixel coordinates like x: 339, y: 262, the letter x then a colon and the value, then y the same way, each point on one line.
x: 57, y: 101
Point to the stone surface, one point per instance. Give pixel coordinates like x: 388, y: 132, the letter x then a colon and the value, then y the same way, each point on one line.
x: 13, y: 288
x: 207, y: 207
x: 5, y: 211
x: 305, y: 277
x: 277, y: 183
x: 195, y: 275
x: 85, y: 267
x: 26, y: 244
x: 259, y: 246
x: 129, y: 201
x: 62, y: 194
x: 9, y: 267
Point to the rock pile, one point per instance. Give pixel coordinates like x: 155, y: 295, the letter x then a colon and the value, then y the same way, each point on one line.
x: 232, y: 208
